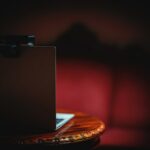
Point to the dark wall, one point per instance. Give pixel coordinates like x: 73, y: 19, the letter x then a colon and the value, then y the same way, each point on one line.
x: 120, y: 23
x: 104, y: 30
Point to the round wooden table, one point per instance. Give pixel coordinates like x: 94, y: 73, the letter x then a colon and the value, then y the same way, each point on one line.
x: 83, y: 131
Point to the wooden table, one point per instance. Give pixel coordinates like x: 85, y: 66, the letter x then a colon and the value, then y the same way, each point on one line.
x: 83, y: 131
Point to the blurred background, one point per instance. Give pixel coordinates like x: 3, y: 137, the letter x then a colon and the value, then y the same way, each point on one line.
x: 103, y: 51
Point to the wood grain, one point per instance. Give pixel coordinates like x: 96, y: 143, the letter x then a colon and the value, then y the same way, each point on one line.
x: 81, y: 128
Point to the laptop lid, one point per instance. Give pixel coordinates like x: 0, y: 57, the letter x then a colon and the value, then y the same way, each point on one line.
x: 27, y: 91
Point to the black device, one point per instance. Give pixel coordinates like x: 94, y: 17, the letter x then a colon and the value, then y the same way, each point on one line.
x: 28, y: 88
x: 10, y: 44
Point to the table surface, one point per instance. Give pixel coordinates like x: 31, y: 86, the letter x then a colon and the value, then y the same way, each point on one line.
x: 80, y: 129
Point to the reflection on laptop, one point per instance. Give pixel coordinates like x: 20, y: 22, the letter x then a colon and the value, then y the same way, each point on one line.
x: 62, y: 118
x: 28, y: 92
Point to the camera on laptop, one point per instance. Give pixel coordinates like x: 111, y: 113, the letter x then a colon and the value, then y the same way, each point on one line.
x: 10, y: 44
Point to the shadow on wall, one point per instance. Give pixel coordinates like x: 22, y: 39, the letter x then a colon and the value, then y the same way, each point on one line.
x: 79, y: 41
x: 82, y: 43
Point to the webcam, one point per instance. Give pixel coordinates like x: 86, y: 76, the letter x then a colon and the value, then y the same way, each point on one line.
x: 10, y: 44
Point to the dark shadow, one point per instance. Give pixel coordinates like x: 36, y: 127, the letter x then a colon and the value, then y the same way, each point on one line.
x: 77, y: 41
x: 80, y: 42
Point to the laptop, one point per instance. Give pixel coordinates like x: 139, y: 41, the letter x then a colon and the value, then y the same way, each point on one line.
x: 28, y: 91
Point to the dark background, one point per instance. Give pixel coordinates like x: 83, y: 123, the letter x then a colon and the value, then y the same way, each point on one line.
x: 115, y: 33
x: 101, y: 27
